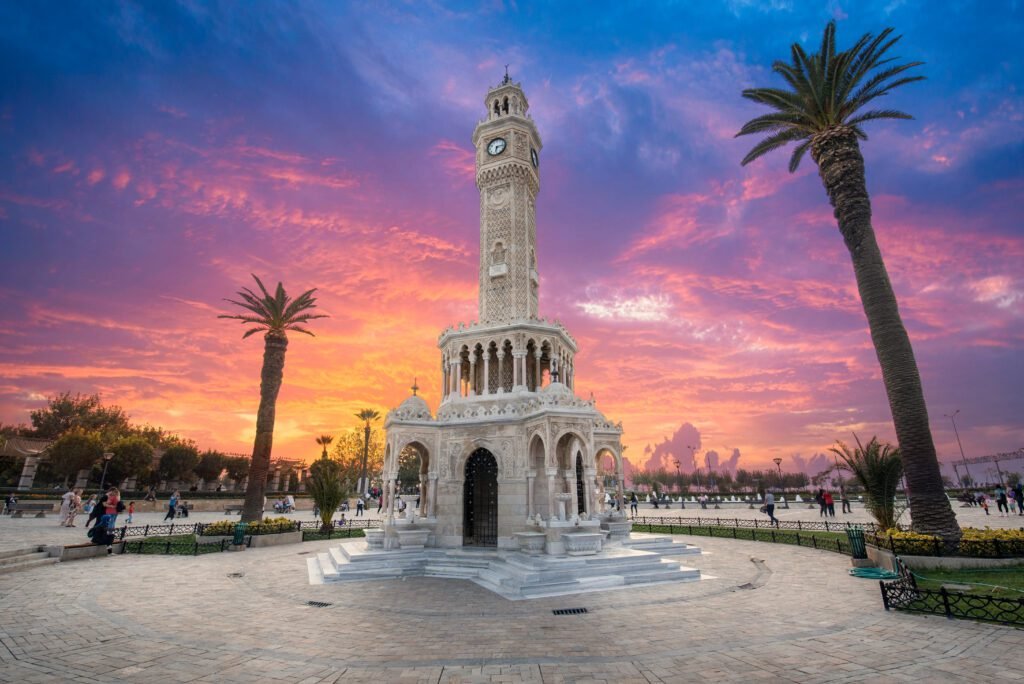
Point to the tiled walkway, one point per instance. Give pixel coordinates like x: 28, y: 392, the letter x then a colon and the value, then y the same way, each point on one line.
x: 770, y: 612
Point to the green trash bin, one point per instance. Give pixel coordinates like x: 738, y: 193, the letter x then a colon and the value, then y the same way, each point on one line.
x: 858, y: 549
x: 240, y: 534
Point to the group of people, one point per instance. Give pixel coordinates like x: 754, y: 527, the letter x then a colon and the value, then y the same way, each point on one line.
x: 1009, y: 500
x: 285, y: 504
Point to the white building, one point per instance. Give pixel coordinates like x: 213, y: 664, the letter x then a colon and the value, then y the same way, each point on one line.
x: 512, y: 453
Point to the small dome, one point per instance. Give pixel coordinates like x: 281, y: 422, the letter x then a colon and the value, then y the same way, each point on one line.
x: 556, y: 388
x: 415, y: 406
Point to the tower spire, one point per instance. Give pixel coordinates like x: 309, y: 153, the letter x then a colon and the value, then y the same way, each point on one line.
x: 507, y: 79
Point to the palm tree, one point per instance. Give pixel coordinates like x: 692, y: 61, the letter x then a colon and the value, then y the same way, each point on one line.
x: 822, y: 110
x: 276, y: 314
x: 324, y: 441
x: 365, y: 415
x: 878, y: 468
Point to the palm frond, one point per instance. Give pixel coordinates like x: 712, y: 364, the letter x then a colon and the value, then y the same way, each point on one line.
x: 877, y: 114
x: 275, y: 312
x: 773, y: 142
x: 798, y: 154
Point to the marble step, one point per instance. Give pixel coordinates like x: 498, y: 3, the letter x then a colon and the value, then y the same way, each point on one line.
x: 23, y: 557
x: 25, y: 565
x: 20, y: 552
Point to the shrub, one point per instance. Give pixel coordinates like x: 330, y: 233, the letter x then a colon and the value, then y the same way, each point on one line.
x: 265, y: 526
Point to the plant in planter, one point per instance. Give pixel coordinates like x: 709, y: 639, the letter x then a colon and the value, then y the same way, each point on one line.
x: 327, y: 489
x: 878, y: 468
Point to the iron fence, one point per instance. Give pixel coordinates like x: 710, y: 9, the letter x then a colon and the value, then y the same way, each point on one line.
x: 808, y: 539
x: 174, y: 547
x: 755, y: 523
x: 125, y: 532
x: 904, y: 594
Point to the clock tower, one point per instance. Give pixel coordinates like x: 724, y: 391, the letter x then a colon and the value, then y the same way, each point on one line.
x: 508, y: 177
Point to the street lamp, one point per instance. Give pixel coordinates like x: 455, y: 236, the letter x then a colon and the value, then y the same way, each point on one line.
x: 696, y: 467
x: 679, y: 483
x: 107, y: 456
x: 778, y: 464
x: 952, y: 418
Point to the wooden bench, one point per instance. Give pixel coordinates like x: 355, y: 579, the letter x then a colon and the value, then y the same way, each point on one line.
x: 40, y: 508
x: 185, y: 506
x: 233, y: 508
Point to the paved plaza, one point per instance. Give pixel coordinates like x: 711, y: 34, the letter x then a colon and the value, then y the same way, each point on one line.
x: 765, y: 612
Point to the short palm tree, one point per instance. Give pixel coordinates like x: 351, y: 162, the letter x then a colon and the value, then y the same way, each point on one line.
x: 823, y: 110
x: 275, y: 314
x: 878, y: 468
x: 366, y: 415
x: 324, y: 441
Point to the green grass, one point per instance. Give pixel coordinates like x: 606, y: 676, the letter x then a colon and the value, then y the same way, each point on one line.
x: 178, y: 544
x: 348, y: 532
x: 1006, y: 582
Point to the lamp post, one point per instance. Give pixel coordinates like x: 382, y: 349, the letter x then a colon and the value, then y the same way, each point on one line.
x: 679, y: 483
x: 952, y: 418
x: 696, y: 467
x: 778, y: 464
x: 107, y: 456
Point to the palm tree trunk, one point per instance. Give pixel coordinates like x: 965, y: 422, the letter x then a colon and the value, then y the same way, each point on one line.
x: 841, y: 168
x: 270, y: 384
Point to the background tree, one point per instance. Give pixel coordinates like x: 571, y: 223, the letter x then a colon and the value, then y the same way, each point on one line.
x: 73, y: 451
x: 179, y: 463
x: 210, y: 466
x: 65, y: 412
x: 133, y: 456
x: 327, y: 488
x: 409, y: 468
x: 367, y: 416
x: 349, y: 445
x: 324, y: 441
x: 237, y: 467
x: 276, y: 314
x: 823, y: 110
x: 878, y: 468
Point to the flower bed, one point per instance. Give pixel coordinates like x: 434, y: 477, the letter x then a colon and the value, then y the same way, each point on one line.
x: 265, y: 526
x: 975, y: 543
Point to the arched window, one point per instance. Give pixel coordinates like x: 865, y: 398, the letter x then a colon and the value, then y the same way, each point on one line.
x: 497, y: 108
x: 504, y: 106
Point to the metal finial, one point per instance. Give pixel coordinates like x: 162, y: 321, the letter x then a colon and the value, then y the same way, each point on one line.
x: 415, y: 388
x: 507, y: 79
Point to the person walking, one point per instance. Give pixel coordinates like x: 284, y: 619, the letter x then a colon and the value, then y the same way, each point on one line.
x: 830, y: 504
x: 359, y: 506
x: 820, y: 498
x: 112, y: 507
x: 97, y: 510
x: 131, y: 512
x: 380, y: 503
x: 769, y: 507
x: 1001, y: 502
x: 633, y: 503
x: 65, y: 506
x: 172, y: 505
x: 1018, y: 489
x: 845, y: 500
x: 76, y: 505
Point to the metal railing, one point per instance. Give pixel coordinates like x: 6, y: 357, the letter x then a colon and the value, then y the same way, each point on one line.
x: 764, y: 533
x: 904, y: 594
x: 755, y: 523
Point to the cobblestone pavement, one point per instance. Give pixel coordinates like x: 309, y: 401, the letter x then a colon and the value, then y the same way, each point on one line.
x: 766, y: 612
x: 25, y: 532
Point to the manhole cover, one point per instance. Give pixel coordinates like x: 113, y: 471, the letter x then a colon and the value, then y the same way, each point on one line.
x: 236, y: 575
x: 318, y: 604
x: 570, y: 611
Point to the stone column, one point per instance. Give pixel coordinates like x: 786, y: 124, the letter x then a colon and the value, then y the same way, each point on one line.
x: 574, y: 503
x: 487, y: 371
x: 531, y: 476
x: 275, y: 483
x: 519, y: 370
x: 444, y: 379
x: 620, y: 494
x: 28, y: 472
x: 537, y: 373
x: 501, y: 371
x: 551, y: 472
x: 589, y: 491
x: 472, y: 389
x: 431, y: 495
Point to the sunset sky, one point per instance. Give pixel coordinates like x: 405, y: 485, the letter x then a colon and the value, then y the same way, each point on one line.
x: 156, y: 154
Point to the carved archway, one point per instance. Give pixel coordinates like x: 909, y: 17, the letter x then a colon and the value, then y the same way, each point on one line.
x: 480, y: 500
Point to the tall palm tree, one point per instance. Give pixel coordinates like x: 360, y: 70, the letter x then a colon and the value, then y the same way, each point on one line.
x: 366, y: 415
x: 324, y: 441
x: 823, y: 110
x: 276, y: 314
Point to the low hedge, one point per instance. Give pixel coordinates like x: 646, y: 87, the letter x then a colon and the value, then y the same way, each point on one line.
x: 266, y: 526
x: 974, y: 543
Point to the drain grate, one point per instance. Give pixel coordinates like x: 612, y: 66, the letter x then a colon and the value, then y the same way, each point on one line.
x: 570, y: 611
x: 318, y: 604
x: 236, y: 575
x: 303, y: 553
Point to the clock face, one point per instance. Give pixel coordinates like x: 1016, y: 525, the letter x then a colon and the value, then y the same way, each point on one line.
x: 496, y: 146
x: 534, y: 158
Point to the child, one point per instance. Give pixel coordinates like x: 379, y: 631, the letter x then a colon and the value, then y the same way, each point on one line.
x: 984, y: 503
x: 131, y: 512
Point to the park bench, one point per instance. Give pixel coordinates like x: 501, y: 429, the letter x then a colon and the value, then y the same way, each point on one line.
x: 233, y: 508
x: 184, y: 507
x: 40, y: 508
